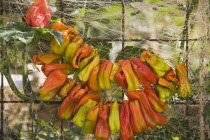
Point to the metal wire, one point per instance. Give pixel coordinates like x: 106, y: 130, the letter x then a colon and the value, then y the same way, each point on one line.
x: 129, y: 40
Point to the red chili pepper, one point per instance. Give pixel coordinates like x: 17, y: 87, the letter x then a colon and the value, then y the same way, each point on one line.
x: 154, y: 101
x: 144, y: 73
x: 126, y: 130
x: 47, y: 69
x: 137, y: 121
x: 53, y: 83
x: 102, y: 131
x: 91, y: 95
x: 66, y: 109
x: 120, y: 77
x: 39, y: 14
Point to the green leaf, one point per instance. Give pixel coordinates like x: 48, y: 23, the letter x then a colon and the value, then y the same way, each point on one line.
x: 25, y: 37
x: 26, y: 34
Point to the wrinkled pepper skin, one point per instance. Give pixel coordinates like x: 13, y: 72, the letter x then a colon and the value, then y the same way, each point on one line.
x: 84, y: 74
x: 65, y: 111
x: 59, y: 26
x: 72, y: 49
x: 137, y: 121
x: 126, y: 132
x: 93, y: 80
x: 79, y: 117
x: 144, y: 73
x: 145, y: 56
x: 91, y: 95
x: 39, y: 14
x: 102, y: 131
x: 52, y: 84
x: 131, y: 77
x: 154, y: 101
x: 158, y: 64
x: 66, y: 88
x: 164, y: 93
x: 60, y: 49
x: 165, y: 83
x: 114, y: 118
x: 48, y: 68
x: 47, y: 58
x: 88, y: 59
x: 121, y: 80
x: 184, y: 86
x: 90, y: 120
x: 135, y: 96
x: 114, y: 70
x: 155, y: 116
x: 81, y: 53
x: 104, y: 73
x: 172, y: 77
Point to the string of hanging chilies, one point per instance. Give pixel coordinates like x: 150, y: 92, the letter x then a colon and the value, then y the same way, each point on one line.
x: 82, y: 98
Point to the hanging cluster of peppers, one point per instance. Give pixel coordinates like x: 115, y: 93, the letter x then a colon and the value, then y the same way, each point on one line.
x: 82, y: 99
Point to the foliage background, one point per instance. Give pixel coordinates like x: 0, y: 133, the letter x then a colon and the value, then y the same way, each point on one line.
x: 102, y: 20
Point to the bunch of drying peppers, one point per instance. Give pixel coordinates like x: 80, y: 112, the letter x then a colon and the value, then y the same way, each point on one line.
x: 82, y: 99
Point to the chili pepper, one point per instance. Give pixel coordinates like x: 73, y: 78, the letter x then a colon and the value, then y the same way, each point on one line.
x: 66, y: 109
x: 102, y: 127
x: 79, y: 117
x: 48, y: 68
x: 114, y: 70
x: 53, y: 83
x: 144, y: 73
x: 154, y: 101
x: 101, y: 74
x: 164, y: 93
x: 137, y: 121
x: 72, y: 49
x: 155, y: 116
x: 121, y: 80
x: 158, y: 64
x: 66, y: 88
x: 131, y: 77
x: 91, y: 95
x: 171, y: 76
x: 90, y: 121
x: 104, y: 73
x: 47, y: 58
x: 126, y: 130
x: 39, y: 14
x: 81, y: 53
x: 165, y: 83
x: 145, y: 56
x: 68, y: 34
x: 184, y: 85
x: 133, y: 95
x: 84, y: 74
x: 114, y: 118
x: 60, y: 49
x: 59, y: 26
x: 86, y: 60
x: 93, y: 80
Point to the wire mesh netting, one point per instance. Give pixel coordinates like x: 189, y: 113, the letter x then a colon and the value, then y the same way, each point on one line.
x: 178, y: 31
